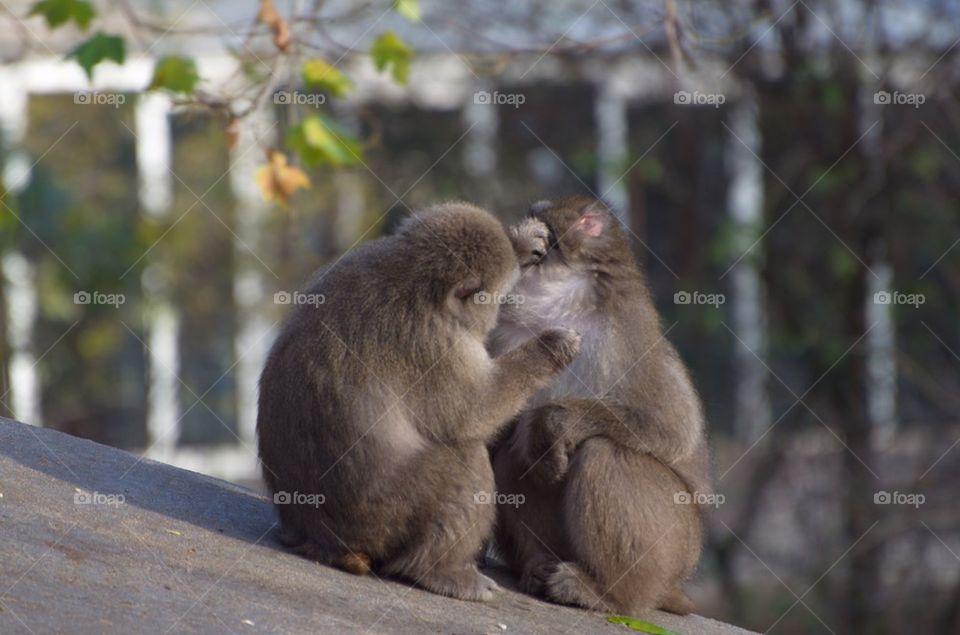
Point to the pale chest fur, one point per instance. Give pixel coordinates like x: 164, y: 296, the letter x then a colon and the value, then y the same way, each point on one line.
x: 567, y: 301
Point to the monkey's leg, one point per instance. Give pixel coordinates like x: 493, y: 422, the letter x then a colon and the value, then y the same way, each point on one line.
x: 530, y: 533
x: 446, y: 490
x: 558, y: 428
x: 633, y: 543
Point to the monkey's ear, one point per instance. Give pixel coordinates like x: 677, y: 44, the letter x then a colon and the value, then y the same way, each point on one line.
x: 467, y: 288
x: 591, y: 223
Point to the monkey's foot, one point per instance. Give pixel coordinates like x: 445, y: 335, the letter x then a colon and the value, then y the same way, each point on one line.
x: 678, y: 602
x: 533, y: 580
x: 569, y: 584
x: 465, y: 584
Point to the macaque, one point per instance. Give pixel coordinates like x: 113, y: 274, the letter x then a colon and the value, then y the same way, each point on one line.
x: 612, y: 458
x: 378, y: 399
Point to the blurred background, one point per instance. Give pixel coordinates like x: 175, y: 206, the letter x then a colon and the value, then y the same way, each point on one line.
x: 790, y: 173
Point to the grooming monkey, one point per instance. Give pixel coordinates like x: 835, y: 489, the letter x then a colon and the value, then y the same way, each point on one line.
x: 611, y: 457
x: 382, y: 398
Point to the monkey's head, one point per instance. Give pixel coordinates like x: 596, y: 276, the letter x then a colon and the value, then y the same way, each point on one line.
x: 464, y: 259
x: 575, y: 232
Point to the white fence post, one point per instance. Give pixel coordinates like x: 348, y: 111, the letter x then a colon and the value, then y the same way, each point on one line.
x: 745, y: 206
x: 19, y: 276
x: 155, y: 193
x: 610, y: 114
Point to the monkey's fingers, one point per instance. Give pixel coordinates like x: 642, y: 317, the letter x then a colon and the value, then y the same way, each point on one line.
x: 561, y: 345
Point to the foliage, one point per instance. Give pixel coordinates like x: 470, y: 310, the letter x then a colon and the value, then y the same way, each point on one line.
x: 315, y: 139
x: 320, y: 74
x: 279, y: 181
x: 59, y: 12
x: 320, y: 140
x: 97, y: 49
x: 390, y: 53
x: 176, y: 74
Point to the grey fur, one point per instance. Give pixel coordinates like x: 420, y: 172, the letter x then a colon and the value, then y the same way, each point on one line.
x: 611, y: 458
x: 382, y: 398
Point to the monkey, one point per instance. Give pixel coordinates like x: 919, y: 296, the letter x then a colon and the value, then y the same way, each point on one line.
x: 612, y: 458
x: 378, y: 399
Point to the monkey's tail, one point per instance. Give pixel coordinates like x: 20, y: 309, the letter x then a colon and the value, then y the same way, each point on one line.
x: 678, y: 602
x: 354, y: 562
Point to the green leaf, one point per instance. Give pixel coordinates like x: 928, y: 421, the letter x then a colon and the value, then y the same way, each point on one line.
x: 319, y: 140
x: 640, y: 625
x: 58, y: 12
x: 388, y: 50
x: 174, y: 73
x: 98, y: 48
x: 410, y: 9
x: 322, y: 75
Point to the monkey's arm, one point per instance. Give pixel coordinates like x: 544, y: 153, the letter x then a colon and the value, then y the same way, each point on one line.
x: 522, y: 372
x: 556, y: 429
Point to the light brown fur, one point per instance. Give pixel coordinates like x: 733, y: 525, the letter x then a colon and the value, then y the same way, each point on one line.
x: 607, y: 451
x: 381, y: 398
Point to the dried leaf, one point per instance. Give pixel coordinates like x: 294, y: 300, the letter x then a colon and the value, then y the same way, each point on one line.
x: 278, y: 181
x: 272, y: 18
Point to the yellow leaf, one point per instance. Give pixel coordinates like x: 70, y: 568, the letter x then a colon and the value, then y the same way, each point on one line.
x: 278, y: 181
x: 321, y: 74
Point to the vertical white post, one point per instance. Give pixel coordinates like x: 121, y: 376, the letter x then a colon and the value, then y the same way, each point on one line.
x: 19, y: 276
x: 610, y: 114
x: 748, y: 314
x: 21, y: 294
x: 155, y: 192
x: 881, y: 345
x: 254, y: 330
x: 881, y: 359
x: 482, y: 120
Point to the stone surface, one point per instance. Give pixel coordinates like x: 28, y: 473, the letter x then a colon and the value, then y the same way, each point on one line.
x: 96, y: 540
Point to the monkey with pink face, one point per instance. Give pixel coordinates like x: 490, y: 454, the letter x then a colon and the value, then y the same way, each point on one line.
x: 612, y: 457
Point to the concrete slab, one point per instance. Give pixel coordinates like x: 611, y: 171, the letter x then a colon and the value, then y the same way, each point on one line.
x: 97, y: 540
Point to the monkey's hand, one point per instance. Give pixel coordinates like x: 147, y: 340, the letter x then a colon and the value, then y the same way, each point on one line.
x: 548, y: 444
x: 561, y: 345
